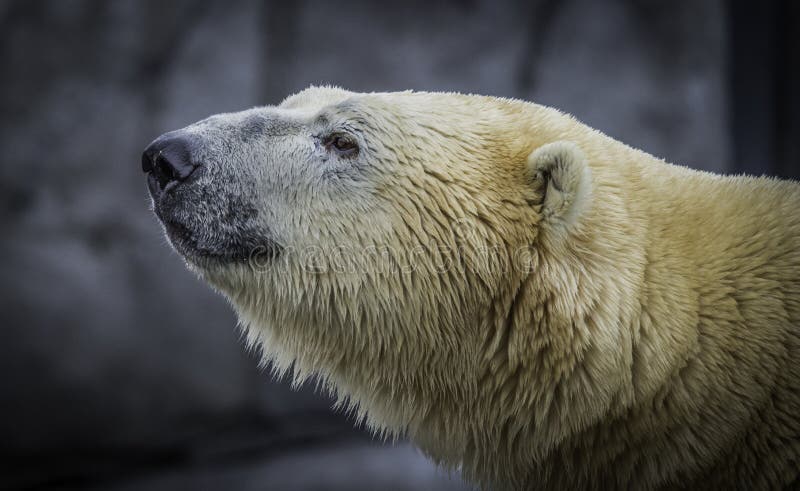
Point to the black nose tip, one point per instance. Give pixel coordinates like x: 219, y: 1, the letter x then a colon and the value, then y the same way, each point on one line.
x: 168, y: 161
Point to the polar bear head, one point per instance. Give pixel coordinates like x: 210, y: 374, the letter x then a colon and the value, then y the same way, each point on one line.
x: 380, y: 241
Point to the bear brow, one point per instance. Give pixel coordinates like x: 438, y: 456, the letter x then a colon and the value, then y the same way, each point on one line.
x: 323, y: 119
x: 349, y: 109
x: 355, y: 121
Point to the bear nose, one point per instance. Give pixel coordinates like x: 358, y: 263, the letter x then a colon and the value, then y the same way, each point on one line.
x: 168, y: 161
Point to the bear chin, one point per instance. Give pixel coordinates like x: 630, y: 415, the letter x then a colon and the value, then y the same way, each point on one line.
x: 253, y: 250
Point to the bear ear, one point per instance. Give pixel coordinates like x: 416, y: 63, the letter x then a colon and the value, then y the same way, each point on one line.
x: 562, y: 176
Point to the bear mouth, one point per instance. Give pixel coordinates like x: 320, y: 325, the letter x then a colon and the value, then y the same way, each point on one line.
x: 254, y: 249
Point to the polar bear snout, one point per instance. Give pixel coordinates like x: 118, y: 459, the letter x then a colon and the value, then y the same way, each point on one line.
x: 204, y: 198
x: 168, y: 161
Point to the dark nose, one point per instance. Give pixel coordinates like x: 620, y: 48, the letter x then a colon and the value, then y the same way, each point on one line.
x: 168, y: 161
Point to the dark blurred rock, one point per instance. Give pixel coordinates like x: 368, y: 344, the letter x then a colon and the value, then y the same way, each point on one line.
x: 122, y: 370
x: 343, y: 467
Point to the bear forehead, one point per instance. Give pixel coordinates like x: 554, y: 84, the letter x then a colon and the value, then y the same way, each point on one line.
x: 315, y: 98
x: 439, y: 105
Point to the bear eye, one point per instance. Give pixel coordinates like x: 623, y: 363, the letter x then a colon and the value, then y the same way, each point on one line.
x: 341, y: 143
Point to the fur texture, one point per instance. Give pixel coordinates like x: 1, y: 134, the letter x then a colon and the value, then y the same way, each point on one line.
x: 524, y: 297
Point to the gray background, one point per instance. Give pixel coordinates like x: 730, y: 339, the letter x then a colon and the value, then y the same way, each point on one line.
x: 118, y: 369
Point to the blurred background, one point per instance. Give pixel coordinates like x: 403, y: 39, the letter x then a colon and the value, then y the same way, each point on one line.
x: 119, y: 370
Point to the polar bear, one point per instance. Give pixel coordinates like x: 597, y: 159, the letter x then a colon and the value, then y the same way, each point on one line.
x: 525, y: 298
